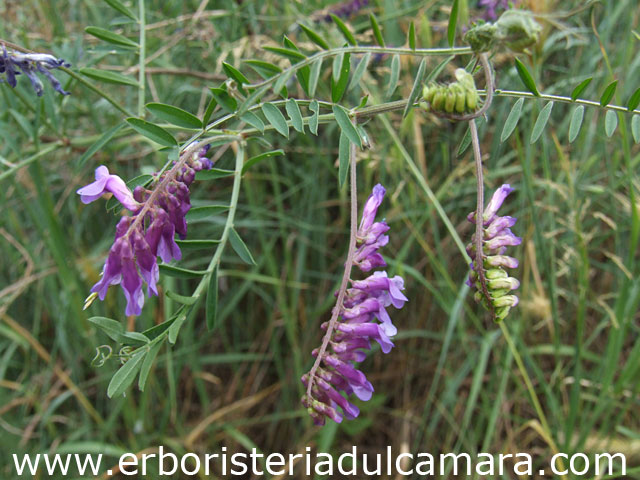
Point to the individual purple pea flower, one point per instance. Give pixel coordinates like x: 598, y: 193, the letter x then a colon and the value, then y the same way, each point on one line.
x: 363, y: 317
x: 13, y: 64
x: 157, y: 215
x: 105, y: 183
x: 496, y: 237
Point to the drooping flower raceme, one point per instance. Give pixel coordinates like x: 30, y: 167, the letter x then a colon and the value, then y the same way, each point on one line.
x: 13, y: 64
x: 157, y: 215
x: 363, y: 317
x: 497, y: 236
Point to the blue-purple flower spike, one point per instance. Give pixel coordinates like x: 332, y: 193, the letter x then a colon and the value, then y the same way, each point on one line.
x: 363, y: 317
x: 13, y: 64
x: 495, y: 291
x: 149, y: 233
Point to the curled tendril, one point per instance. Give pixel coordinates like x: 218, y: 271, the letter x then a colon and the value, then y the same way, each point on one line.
x: 103, y: 353
x: 125, y: 354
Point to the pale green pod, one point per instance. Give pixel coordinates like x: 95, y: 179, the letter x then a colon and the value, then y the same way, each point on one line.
x: 472, y: 100
x: 498, y: 283
x: 506, y: 301
x: 438, y: 99
x: 501, y: 313
x: 461, y: 102
x: 427, y: 92
x: 501, y: 292
x: 465, y: 79
x: 450, y: 101
x: 495, y: 273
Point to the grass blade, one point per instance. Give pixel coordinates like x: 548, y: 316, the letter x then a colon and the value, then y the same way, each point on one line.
x: 211, y: 309
x: 453, y: 21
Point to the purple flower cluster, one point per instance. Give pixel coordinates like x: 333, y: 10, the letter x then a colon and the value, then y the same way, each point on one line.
x: 363, y: 317
x: 140, y: 238
x: 497, y: 236
x: 15, y: 63
x: 490, y: 8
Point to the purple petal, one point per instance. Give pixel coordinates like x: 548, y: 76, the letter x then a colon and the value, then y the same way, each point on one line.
x: 496, y: 202
x: 120, y: 190
x: 132, y: 286
x: 368, y: 306
x: 506, y: 238
x: 350, y: 410
x: 363, y: 392
x: 112, y: 270
x: 370, y: 209
x: 497, y: 225
x: 502, y: 261
x: 146, y: 263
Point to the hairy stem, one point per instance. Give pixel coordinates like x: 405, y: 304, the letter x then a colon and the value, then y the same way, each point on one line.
x: 479, y: 236
x: 347, y: 271
x: 141, y: 59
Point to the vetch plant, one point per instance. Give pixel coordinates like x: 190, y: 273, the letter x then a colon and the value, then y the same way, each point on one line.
x: 285, y: 98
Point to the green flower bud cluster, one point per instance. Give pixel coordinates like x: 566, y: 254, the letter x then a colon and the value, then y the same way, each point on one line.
x: 499, y: 286
x: 515, y: 29
x: 457, y: 97
x: 495, y: 289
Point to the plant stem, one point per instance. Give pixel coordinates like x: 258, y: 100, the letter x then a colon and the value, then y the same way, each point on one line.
x: 141, y: 60
x: 337, y: 310
x: 479, y: 235
x: 560, y: 98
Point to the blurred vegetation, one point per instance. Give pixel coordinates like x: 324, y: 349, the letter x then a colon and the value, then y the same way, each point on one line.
x: 452, y: 383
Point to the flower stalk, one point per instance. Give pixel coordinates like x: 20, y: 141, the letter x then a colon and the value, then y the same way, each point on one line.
x: 347, y: 270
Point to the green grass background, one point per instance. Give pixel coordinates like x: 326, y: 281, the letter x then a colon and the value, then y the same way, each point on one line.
x: 452, y: 384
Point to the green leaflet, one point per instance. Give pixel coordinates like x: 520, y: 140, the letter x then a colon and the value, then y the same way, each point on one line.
x: 576, y: 122
x: 512, y: 120
x: 541, y: 122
